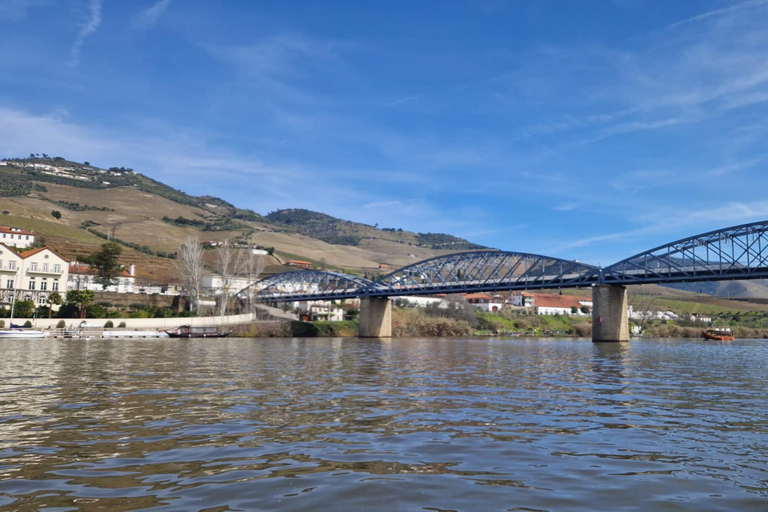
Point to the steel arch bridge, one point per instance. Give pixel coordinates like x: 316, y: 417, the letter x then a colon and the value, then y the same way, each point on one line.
x: 739, y: 252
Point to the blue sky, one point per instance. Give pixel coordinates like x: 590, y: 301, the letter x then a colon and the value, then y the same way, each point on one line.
x: 585, y: 130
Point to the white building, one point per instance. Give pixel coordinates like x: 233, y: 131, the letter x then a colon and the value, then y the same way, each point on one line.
x: 213, y: 284
x: 556, y: 304
x: 16, y: 237
x: 31, y: 275
x: 523, y: 300
x: 83, y: 277
x: 313, y: 310
x: 485, y: 302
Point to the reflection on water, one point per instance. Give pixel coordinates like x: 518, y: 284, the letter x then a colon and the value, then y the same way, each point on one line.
x: 407, y: 424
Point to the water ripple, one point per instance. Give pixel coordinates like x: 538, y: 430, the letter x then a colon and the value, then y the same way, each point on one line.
x: 420, y: 424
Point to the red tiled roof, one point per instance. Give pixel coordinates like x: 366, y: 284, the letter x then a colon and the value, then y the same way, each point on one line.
x: 32, y: 252
x: 477, y: 296
x: 559, y: 301
x: 13, y: 250
x: 81, y: 269
x: 15, y: 231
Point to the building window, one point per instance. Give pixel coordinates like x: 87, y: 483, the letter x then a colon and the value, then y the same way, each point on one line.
x: 55, y: 286
x: 11, y: 265
x: 33, y: 267
x: 57, y: 269
x: 31, y: 284
x: 1, y: 264
x: 41, y: 300
x: 45, y: 267
x: 9, y: 284
x: 44, y: 285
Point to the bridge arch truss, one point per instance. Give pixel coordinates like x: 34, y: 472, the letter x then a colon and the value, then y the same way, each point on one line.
x: 306, y: 285
x: 479, y: 271
x: 739, y: 252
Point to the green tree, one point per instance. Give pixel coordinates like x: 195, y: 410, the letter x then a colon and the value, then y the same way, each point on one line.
x: 574, y: 310
x: 105, y: 261
x: 56, y: 214
x: 23, y: 308
x: 81, y: 299
x: 53, y: 299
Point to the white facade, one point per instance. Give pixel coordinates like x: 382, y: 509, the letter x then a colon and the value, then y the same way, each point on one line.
x: 31, y: 275
x: 214, y: 285
x: 82, y: 277
x: 321, y: 310
x: 524, y: 299
x: 16, y: 237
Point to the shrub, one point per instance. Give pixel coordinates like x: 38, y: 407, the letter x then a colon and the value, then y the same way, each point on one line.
x: 61, y: 324
x: 108, y: 324
x: 122, y: 324
x: 27, y: 324
x: 2, y: 323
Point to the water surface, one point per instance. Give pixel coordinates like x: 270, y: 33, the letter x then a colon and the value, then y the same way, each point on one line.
x: 407, y: 424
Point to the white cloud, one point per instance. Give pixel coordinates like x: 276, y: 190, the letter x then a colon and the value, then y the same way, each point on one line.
x: 147, y: 19
x: 88, y: 28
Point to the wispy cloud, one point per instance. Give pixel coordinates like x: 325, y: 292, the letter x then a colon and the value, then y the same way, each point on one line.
x: 566, y: 207
x: 147, y: 19
x: 87, y: 29
x: 731, y: 9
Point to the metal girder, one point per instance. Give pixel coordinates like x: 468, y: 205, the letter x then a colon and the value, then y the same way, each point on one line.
x: 739, y: 252
x: 306, y: 285
x: 479, y: 271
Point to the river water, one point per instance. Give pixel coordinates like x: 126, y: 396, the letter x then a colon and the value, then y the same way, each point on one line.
x: 406, y: 424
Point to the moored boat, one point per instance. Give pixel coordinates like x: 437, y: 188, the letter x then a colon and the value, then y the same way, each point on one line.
x: 22, y: 333
x: 719, y: 334
x: 191, y: 331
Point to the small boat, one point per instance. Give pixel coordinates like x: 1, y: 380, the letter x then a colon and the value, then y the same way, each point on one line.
x: 718, y: 334
x: 18, y: 331
x: 22, y: 333
x: 189, y: 331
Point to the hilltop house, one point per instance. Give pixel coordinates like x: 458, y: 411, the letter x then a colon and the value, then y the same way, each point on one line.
x: 31, y: 275
x: 300, y: 264
x: 83, y: 277
x: 16, y: 237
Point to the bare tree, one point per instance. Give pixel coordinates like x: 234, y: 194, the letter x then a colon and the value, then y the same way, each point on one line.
x: 191, y: 269
x: 229, y: 266
x: 253, y: 266
x: 645, y: 305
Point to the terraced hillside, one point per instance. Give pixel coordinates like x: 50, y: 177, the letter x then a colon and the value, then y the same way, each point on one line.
x: 152, y: 220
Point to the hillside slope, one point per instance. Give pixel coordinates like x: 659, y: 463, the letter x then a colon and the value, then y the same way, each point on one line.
x: 152, y: 220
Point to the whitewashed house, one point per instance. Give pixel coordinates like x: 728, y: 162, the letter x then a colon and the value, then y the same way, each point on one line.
x: 485, y: 302
x: 83, y: 277
x: 16, y: 237
x: 31, y: 275
x: 313, y: 310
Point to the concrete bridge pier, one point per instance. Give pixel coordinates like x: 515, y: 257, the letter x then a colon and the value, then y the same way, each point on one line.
x: 375, y: 317
x: 610, y: 320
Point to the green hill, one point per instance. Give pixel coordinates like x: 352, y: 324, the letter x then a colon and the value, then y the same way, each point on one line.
x: 152, y: 220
